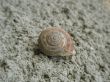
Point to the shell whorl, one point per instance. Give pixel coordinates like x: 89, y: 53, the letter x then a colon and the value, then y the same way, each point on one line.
x: 55, y: 41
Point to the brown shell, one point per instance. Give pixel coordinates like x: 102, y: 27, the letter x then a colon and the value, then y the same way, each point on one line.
x: 56, y: 42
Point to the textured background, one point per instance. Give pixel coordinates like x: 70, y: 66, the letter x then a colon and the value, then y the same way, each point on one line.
x: 21, y: 22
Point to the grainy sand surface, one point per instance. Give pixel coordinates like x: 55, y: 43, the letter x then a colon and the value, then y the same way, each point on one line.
x: 88, y: 22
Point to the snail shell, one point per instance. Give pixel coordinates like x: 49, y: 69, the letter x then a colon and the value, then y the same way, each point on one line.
x: 56, y: 42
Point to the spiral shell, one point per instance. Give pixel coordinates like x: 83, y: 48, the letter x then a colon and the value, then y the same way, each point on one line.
x: 56, y: 42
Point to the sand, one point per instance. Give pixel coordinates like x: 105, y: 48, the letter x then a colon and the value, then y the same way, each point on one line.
x: 21, y: 22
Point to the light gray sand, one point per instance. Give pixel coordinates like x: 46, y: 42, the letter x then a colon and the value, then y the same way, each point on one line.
x: 21, y: 22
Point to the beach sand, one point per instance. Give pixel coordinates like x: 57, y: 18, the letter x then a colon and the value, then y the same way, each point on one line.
x: 21, y: 22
